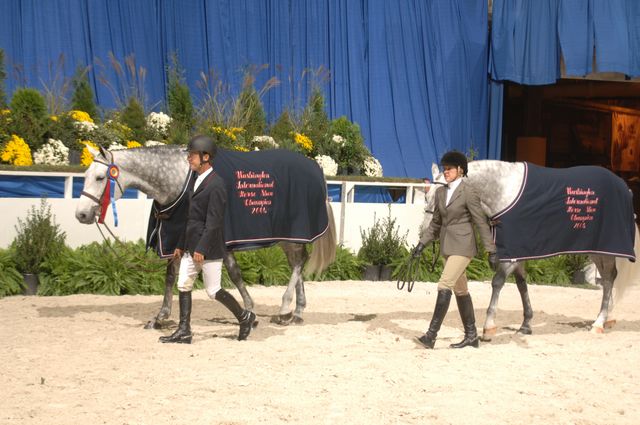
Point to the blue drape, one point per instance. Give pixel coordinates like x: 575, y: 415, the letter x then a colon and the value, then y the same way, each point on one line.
x: 411, y: 73
x: 528, y: 37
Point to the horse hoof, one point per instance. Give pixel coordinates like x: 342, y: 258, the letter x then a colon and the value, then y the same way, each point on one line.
x: 597, y: 330
x: 610, y: 323
x: 525, y: 331
x: 297, y: 320
x: 488, y: 333
x: 151, y: 324
x: 282, y: 319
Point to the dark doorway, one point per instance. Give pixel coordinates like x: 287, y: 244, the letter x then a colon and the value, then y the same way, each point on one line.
x: 575, y: 122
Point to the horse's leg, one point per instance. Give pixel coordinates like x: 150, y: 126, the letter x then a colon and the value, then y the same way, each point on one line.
x: 297, y: 256
x: 236, y: 277
x: 607, y: 267
x: 527, y: 311
x: 497, y: 283
x: 169, y: 280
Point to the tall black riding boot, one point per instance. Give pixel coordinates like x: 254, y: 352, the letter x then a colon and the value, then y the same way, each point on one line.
x: 246, y: 318
x: 442, y: 305
x: 465, y: 305
x: 182, y: 335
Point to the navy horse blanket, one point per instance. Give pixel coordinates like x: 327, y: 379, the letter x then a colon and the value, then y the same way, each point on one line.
x: 578, y: 210
x: 272, y: 195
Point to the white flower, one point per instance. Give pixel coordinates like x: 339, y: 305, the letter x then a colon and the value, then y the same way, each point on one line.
x: 338, y: 139
x: 85, y: 126
x: 267, y: 140
x: 116, y: 146
x: 153, y: 143
x: 54, y: 152
x: 372, y: 167
x: 159, y: 121
x: 328, y: 165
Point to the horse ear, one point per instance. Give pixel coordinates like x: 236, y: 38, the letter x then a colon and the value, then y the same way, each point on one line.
x: 93, y: 151
x: 102, y: 151
x: 434, y: 170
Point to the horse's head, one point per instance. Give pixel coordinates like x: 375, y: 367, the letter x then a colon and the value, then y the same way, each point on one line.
x: 96, y: 186
x: 430, y: 195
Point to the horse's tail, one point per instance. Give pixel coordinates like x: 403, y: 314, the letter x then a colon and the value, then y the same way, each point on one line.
x: 628, y: 272
x: 324, y: 248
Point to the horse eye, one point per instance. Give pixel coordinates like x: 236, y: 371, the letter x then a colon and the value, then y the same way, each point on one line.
x: 100, y: 178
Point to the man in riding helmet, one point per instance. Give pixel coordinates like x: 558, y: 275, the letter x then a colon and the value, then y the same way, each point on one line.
x: 457, y: 207
x: 201, y: 247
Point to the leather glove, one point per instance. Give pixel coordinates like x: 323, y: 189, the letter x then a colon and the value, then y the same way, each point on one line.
x: 494, y: 261
x: 417, y: 251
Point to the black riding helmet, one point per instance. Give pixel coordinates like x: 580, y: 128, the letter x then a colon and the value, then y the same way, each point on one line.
x: 456, y: 159
x: 203, y: 144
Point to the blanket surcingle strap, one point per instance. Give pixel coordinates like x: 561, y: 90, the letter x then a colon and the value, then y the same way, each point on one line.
x: 579, y: 210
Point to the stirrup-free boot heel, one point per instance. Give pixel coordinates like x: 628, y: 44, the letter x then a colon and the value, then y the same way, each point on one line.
x: 246, y: 318
x: 182, y: 335
x: 442, y: 305
x: 465, y: 305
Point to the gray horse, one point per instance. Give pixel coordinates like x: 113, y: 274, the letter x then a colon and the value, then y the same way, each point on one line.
x: 160, y: 172
x: 499, y: 184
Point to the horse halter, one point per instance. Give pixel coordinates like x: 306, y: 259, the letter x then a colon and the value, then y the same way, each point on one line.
x: 113, y: 172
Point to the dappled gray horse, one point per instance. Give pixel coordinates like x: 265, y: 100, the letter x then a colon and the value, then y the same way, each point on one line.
x: 161, y: 172
x: 501, y: 187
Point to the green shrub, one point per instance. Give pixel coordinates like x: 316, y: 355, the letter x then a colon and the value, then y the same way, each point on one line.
x: 133, y: 117
x: 38, y: 238
x: 549, y: 270
x: 422, y: 270
x: 282, y: 130
x: 29, y: 116
x: 83, y: 98
x: 179, y: 104
x: 315, y: 123
x: 251, y: 110
x: 347, y: 266
x: 106, y: 268
x: 382, y: 243
x: 3, y: 77
x: 10, y: 278
x: 265, y: 266
x: 351, y: 154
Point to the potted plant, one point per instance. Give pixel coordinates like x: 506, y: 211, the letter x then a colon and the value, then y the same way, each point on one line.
x: 38, y: 238
x: 381, y: 244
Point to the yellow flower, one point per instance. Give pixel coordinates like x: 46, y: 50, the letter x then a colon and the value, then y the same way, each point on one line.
x: 303, y: 141
x: 236, y: 130
x: 5, y: 112
x: 87, y: 158
x: 229, y: 133
x: 17, y: 152
x: 80, y: 116
x: 241, y: 148
x: 133, y: 144
x: 53, y: 118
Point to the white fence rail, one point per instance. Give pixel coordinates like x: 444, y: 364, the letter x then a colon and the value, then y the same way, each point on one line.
x: 350, y: 216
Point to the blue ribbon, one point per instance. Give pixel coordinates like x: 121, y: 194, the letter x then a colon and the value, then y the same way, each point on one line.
x: 112, y: 190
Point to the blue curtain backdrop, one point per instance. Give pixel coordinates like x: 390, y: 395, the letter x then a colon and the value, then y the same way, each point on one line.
x: 411, y: 73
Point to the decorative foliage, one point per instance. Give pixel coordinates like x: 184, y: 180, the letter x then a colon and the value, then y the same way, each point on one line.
x: 264, y: 142
x: 54, y: 152
x: 372, y: 167
x: 10, y: 278
x: 28, y: 116
x: 346, y: 266
x: 382, y: 243
x: 159, y: 123
x: 3, y: 77
x: 179, y: 104
x: 348, y: 148
x: 83, y: 97
x: 16, y: 152
x: 328, y: 165
x: 87, y: 158
x: 133, y: 118
x: 303, y: 141
x: 38, y: 237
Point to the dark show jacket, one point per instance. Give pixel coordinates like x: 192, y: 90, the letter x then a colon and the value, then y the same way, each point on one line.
x: 204, y: 232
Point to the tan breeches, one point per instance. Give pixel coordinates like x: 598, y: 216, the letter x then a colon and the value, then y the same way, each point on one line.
x: 453, y: 275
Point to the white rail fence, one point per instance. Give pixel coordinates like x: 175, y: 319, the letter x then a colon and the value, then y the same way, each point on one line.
x: 350, y: 215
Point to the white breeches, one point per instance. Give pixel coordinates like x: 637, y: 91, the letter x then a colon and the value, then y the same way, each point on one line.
x: 211, y: 274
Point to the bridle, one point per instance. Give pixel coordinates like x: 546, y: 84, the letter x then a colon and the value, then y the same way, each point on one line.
x: 108, y: 195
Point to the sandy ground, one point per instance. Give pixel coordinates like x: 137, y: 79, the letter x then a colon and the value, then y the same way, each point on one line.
x: 86, y: 359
